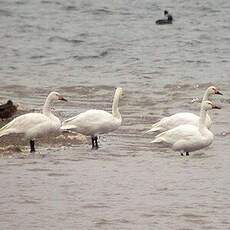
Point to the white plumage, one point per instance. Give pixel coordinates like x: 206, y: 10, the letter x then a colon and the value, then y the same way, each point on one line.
x: 184, y: 118
x: 92, y: 122
x: 95, y: 122
x: 33, y: 125
x: 188, y: 138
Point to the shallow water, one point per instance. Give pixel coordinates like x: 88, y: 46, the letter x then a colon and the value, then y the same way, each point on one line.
x: 84, y: 50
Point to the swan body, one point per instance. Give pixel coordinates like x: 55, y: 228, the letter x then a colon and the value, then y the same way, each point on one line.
x: 184, y: 118
x: 92, y: 122
x: 95, y: 122
x: 188, y: 138
x: 33, y: 125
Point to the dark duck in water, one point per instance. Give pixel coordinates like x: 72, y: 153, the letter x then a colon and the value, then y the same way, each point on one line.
x: 167, y: 20
x: 7, y: 110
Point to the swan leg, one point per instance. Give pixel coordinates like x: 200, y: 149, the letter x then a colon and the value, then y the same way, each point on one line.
x: 92, y: 138
x: 187, y: 153
x: 32, y: 148
x: 96, y: 143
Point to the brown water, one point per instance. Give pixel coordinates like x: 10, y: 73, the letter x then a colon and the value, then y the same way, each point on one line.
x: 84, y: 50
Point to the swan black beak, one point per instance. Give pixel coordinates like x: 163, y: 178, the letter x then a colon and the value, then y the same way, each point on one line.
x: 216, y: 107
x: 218, y: 92
x: 61, y: 98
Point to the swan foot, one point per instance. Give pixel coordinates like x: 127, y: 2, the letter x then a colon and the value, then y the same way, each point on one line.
x: 94, y: 148
x: 187, y: 153
x: 182, y: 154
x: 32, y: 148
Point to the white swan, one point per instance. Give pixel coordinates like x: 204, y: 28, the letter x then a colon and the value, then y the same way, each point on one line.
x: 94, y: 122
x: 188, y: 138
x: 33, y: 125
x: 177, y: 119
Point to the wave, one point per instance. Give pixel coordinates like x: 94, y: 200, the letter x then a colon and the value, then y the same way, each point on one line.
x: 5, y: 13
x: 62, y: 39
x: 100, y: 55
x: 100, y: 11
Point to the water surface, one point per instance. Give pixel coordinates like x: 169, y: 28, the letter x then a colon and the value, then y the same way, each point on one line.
x: 84, y: 49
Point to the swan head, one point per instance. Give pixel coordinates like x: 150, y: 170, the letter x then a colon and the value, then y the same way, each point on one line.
x: 208, y: 105
x: 213, y: 90
x: 119, y: 92
x: 56, y: 96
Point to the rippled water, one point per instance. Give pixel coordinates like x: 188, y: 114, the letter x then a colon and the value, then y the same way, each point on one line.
x: 84, y: 49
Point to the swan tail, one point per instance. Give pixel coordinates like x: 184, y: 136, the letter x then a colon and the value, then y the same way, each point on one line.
x: 67, y: 127
x: 4, y: 133
x: 159, y: 138
x: 5, y: 130
x: 9, y: 129
x: 155, y: 127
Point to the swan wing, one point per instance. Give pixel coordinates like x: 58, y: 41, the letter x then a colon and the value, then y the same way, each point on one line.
x: 180, y: 119
x: 175, y: 120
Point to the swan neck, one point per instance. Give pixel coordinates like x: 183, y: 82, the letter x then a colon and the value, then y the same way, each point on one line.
x: 115, y: 109
x: 47, y: 107
x: 202, y: 120
x: 206, y: 95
